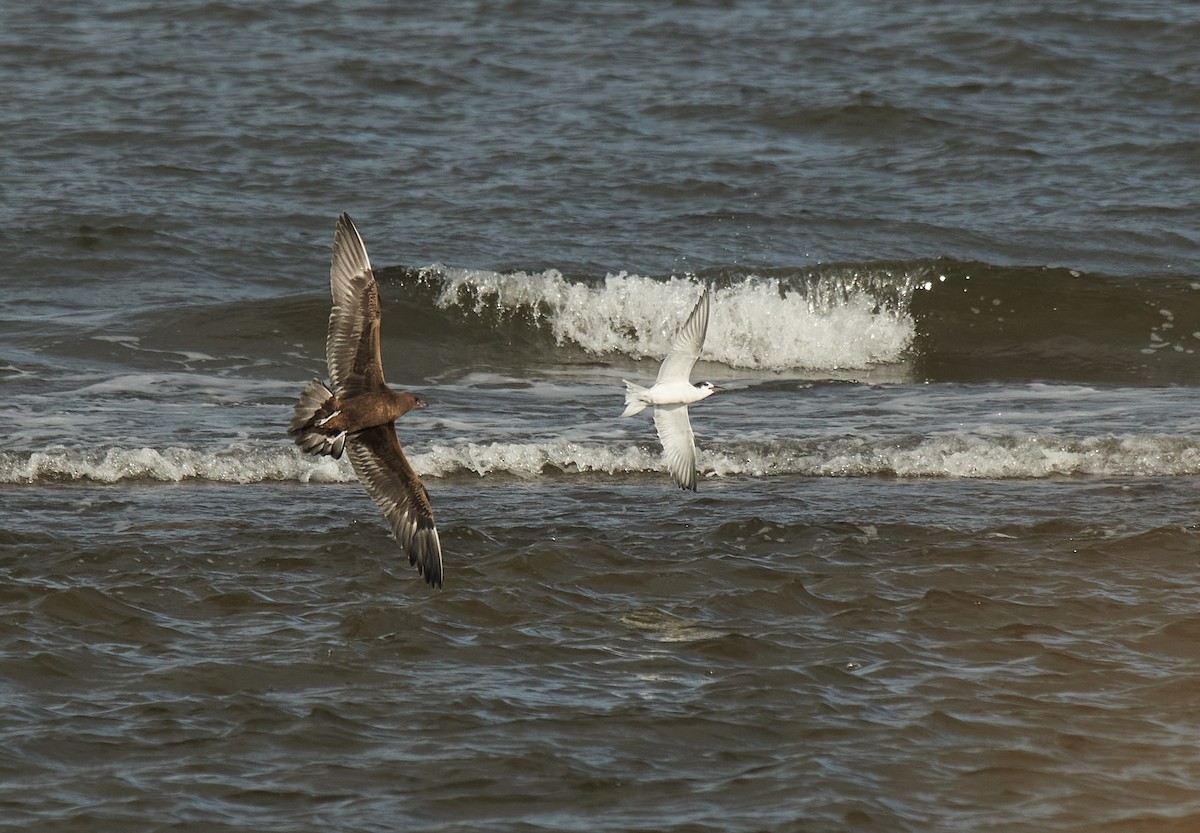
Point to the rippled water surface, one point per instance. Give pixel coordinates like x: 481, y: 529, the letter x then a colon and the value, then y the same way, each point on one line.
x: 939, y: 572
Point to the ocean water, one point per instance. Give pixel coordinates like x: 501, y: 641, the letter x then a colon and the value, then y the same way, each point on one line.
x: 939, y: 573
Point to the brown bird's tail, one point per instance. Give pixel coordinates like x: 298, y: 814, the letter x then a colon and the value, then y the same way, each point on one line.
x: 316, y: 407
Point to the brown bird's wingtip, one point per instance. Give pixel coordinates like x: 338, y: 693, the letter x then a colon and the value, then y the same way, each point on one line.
x: 344, y: 222
x: 432, y: 577
x: 431, y: 570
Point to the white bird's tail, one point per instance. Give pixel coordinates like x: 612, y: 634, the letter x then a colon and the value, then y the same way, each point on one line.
x: 635, y: 398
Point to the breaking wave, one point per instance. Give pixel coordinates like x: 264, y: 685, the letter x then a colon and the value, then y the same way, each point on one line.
x: 848, y: 319
x: 934, y: 319
x: 949, y: 456
x: 953, y: 320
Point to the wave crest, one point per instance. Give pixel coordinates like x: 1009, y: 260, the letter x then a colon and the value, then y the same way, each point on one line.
x: 1029, y: 456
x: 236, y: 464
x: 839, y: 319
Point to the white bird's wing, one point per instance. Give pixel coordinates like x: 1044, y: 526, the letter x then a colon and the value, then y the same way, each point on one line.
x: 685, y: 349
x: 679, y: 445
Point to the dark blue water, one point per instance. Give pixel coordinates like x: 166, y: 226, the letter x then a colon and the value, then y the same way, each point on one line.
x: 938, y: 571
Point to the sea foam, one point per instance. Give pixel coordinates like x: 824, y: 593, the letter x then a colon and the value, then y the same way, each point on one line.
x: 1005, y: 457
x: 243, y: 463
x: 762, y: 323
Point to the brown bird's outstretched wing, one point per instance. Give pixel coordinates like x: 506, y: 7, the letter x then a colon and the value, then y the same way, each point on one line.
x: 352, y: 346
x: 382, y: 467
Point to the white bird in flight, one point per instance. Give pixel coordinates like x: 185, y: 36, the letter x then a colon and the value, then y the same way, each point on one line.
x: 673, y: 392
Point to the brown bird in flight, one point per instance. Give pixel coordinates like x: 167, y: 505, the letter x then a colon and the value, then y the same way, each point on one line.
x: 359, y: 414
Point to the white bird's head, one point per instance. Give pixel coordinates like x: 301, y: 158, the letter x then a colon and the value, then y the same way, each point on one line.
x: 707, y: 389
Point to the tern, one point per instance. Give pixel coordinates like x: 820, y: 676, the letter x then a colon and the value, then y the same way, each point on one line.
x: 673, y: 392
x: 357, y: 411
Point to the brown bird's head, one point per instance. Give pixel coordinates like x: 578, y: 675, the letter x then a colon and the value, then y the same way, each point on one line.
x: 406, y: 402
